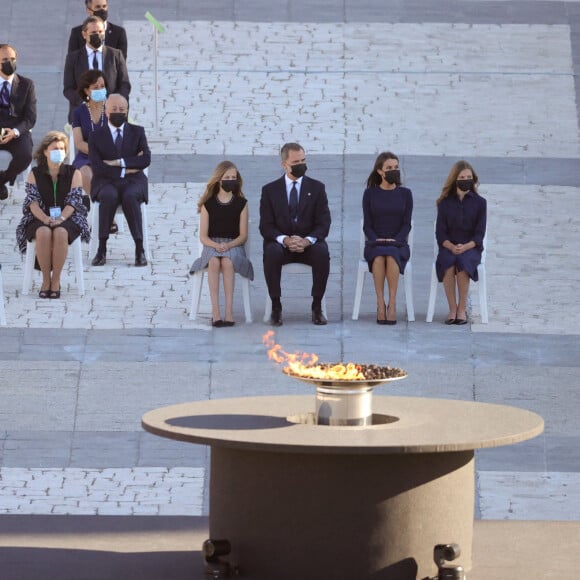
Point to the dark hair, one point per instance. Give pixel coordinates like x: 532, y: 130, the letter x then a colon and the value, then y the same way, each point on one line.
x: 92, y: 20
x: 9, y: 46
x: 287, y: 147
x: 374, y: 178
x: 88, y: 78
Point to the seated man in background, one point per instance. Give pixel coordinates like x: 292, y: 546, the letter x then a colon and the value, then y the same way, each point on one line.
x: 17, y: 117
x: 119, y: 153
x: 94, y: 55
x: 115, y: 35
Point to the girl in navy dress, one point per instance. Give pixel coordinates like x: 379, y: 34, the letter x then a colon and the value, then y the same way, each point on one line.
x: 460, y: 229
x: 223, y: 231
x: 387, y: 211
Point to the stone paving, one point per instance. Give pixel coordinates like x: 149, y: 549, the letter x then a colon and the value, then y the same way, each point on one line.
x: 499, y: 91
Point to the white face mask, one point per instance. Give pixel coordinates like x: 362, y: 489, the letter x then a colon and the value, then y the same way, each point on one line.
x: 57, y: 156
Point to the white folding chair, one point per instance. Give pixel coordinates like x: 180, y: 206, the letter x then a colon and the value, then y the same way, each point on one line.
x: 292, y: 268
x: 481, y: 285
x: 94, y: 217
x: 2, y: 309
x: 198, y: 281
x: 363, y: 269
x: 74, y: 250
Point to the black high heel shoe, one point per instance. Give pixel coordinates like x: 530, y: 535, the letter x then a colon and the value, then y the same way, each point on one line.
x: 391, y: 322
x: 382, y: 321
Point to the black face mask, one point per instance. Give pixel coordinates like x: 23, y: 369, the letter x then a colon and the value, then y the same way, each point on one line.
x: 95, y: 40
x: 298, y: 170
x: 465, y: 184
x: 230, y: 185
x: 8, y: 67
x: 117, y: 119
x: 102, y: 14
x: 393, y: 176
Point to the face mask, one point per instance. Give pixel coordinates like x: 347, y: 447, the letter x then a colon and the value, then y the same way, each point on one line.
x: 98, y: 95
x: 230, y: 185
x: 95, y: 40
x: 465, y: 184
x: 102, y: 14
x: 57, y: 156
x: 298, y: 170
x: 393, y: 176
x: 8, y: 67
x: 117, y: 119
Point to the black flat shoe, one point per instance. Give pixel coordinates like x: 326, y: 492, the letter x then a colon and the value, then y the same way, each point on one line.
x: 276, y: 317
x: 229, y: 323
x: 217, y: 323
x: 317, y: 317
x: 460, y: 321
x: 140, y: 259
x: 450, y: 321
x: 99, y: 259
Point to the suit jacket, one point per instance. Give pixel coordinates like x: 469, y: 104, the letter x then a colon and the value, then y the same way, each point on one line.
x: 102, y: 147
x: 313, y: 212
x: 22, y: 109
x: 115, y: 37
x: 115, y: 73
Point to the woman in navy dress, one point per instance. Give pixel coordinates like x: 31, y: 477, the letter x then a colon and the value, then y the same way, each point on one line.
x: 387, y: 211
x: 87, y: 117
x: 223, y: 231
x: 460, y: 229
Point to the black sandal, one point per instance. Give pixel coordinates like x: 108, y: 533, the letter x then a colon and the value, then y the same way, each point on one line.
x: 54, y: 294
x: 44, y: 293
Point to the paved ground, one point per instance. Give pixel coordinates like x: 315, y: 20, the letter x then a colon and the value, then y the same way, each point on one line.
x: 492, y: 81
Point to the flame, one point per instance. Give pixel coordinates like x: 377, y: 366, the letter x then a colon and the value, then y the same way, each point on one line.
x: 303, y: 364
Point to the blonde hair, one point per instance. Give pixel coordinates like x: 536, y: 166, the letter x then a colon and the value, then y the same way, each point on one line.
x: 450, y: 187
x: 49, y: 138
x: 213, y: 185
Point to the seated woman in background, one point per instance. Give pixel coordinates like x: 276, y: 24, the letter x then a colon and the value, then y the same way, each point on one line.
x: 460, y: 229
x: 223, y: 231
x: 54, y: 213
x: 387, y: 211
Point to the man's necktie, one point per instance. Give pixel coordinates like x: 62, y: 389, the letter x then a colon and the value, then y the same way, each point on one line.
x: 4, y: 95
x: 119, y: 142
x: 95, y: 59
x: 293, y: 204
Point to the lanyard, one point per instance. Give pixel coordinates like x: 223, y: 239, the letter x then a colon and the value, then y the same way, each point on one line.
x: 54, y: 184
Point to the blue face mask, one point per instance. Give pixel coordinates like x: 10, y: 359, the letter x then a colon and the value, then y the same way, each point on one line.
x: 98, y: 95
x: 57, y: 156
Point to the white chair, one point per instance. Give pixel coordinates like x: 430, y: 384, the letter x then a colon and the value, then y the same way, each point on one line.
x: 363, y: 269
x: 481, y: 285
x: 94, y: 218
x: 198, y: 281
x: 2, y: 309
x: 292, y: 268
x: 77, y: 255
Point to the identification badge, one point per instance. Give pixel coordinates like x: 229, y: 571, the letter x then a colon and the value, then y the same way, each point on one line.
x: 55, y: 212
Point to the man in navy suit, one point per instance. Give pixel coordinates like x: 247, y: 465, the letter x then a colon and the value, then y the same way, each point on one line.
x: 119, y: 153
x: 94, y: 55
x: 294, y: 222
x: 115, y: 35
x: 17, y: 117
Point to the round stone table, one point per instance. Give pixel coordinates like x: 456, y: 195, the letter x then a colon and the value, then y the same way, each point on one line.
x: 300, y: 500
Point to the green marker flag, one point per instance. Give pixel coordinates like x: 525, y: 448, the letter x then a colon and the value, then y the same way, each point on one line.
x: 158, y: 26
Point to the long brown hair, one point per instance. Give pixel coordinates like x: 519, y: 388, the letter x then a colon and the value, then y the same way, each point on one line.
x: 49, y: 138
x: 374, y: 178
x: 213, y: 184
x: 450, y: 187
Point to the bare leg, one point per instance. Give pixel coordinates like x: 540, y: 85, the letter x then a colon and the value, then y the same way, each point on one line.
x: 87, y: 175
x: 463, y: 287
x: 228, y: 278
x: 379, y: 269
x: 59, y: 252
x: 393, y: 283
x: 44, y: 254
x: 213, y: 281
x: 449, y: 286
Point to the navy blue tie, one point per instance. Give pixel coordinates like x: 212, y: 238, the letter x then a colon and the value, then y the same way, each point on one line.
x: 4, y: 95
x: 293, y: 204
x: 95, y: 60
x: 119, y: 142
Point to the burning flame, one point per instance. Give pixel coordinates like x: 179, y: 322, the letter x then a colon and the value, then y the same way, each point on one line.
x: 303, y: 364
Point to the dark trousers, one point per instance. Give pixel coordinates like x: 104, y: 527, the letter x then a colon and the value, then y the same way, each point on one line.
x: 128, y: 195
x: 21, y: 151
x: 316, y: 256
